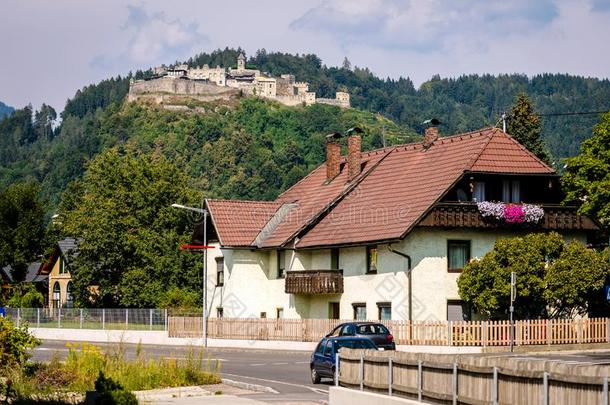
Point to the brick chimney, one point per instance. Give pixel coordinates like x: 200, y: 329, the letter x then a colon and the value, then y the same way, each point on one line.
x: 333, y: 155
x: 431, y: 132
x: 354, y: 154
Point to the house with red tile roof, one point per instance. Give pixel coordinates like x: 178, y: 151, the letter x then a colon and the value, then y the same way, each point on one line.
x: 381, y: 234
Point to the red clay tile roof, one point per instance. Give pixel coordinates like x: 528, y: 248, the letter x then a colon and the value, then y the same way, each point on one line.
x: 397, y: 187
x: 238, y: 222
x: 313, y: 195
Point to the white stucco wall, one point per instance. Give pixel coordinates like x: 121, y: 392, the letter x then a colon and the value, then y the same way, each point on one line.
x: 251, y: 283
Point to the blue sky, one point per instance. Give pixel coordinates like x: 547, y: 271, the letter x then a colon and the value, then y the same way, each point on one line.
x: 51, y: 48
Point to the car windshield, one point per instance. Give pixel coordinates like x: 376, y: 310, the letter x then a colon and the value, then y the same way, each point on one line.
x: 372, y: 329
x: 355, y: 344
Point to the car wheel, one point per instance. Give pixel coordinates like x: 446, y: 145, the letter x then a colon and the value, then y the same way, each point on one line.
x: 315, y: 377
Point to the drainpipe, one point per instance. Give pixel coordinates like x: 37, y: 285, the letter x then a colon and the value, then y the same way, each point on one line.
x: 410, y: 290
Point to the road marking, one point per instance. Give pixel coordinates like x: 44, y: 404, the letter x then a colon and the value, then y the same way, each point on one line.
x: 258, y: 364
x: 301, y: 362
x: 279, y: 364
x: 48, y: 349
x: 316, y: 390
x: 190, y: 358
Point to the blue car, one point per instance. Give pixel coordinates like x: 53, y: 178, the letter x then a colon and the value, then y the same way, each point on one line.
x: 323, y: 358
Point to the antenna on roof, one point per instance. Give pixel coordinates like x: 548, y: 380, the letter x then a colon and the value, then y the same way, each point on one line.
x: 433, y: 122
x: 354, y: 130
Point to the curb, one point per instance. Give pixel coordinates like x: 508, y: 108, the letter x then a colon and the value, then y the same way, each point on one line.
x: 248, y: 386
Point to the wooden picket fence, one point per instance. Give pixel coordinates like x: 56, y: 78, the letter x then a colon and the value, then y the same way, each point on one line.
x: 435, y: 333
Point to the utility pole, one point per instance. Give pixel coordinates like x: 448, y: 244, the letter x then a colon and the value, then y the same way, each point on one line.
x: 513, y: 296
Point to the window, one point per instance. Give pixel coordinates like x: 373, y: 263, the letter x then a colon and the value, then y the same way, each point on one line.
x: 384, y: 310
x: 336, y: 332
x: 263, y: 315
x: 359, y: 311
x: 479, y: 191
x: 372, y: 329
x: 281, y: 263
x: 457, y: 311
x: 220, y: 312
x: 279, y: 313
x: 458, y: 254
x: 56, y: 295
x: 62, y: 265
x: 371, y: 259
x: 328, y: 348
x: 511, y: 191
x: 69, y: 295
x: 334, y: 259
x: 333, y: 310
x: 320, y: 348
x: 220, y: 271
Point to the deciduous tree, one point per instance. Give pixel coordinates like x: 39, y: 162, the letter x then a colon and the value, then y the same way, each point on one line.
x: 553, y: 278
x: 587, y: 176
x: 128, y: 233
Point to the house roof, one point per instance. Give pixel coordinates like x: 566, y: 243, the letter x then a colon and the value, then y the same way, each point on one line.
x: 32, y: 274
x: 397, y: 187
x: 239, y: 222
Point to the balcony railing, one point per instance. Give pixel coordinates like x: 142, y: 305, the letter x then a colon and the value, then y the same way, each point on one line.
x: 314, y: 282
x: 466, y: 214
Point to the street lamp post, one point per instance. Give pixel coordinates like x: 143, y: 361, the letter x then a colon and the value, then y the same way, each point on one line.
x: 204, y: 212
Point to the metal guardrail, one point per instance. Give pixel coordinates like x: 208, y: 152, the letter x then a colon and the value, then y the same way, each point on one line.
x: 90, y: 318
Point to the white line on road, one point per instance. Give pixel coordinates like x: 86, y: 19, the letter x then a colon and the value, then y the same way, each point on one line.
x: 279, y: 364
x: 258, y: 364
x: 316, y: 390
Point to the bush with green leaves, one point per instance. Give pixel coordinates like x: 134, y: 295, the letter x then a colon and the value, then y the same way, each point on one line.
x: 554, y: 279
x: 14, y: 344
x: 25, y: 295
x: 111, y: 392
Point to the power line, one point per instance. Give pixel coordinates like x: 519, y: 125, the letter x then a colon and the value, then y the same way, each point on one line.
x: 573, y: 113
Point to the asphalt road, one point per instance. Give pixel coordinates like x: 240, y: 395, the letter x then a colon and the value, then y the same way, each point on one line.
x: 284, y: 371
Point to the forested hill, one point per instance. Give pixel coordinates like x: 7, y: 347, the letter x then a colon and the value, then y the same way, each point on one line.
x: 254, y: 149
x: 5, y: 109
x: 462, y: 104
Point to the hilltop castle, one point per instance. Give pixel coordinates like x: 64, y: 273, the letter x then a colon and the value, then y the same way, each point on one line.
x: 206, y: 84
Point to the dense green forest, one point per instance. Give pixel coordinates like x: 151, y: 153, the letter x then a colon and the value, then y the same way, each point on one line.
x: 256, y: 149
x: 5, y: 109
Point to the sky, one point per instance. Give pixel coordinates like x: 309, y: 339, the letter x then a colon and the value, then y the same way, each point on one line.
x: 49, y: 49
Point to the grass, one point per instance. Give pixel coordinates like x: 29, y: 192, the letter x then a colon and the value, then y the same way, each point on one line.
x: 85, y: 362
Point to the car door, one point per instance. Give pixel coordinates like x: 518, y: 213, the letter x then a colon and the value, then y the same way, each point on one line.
x: 328, y: 360
x: 318, y: 356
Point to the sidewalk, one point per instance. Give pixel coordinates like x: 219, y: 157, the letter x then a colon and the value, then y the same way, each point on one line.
x: 209, y: 394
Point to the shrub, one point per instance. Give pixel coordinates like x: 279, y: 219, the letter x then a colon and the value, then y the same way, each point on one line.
x: 112, y: 393
x: 117, y: 397
x: 14, y: 345
x: 25, y: 296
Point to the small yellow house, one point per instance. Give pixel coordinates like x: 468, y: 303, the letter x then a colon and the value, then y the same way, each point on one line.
x: 60, y: 281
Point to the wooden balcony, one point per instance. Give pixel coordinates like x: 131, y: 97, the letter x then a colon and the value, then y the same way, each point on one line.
x: 466, y: 214
x: 314, y: 282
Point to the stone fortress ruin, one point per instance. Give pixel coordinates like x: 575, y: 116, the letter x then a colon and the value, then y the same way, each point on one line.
x: 207, y: 84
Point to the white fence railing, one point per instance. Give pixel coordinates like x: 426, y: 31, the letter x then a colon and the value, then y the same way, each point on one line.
x: 90, y: 318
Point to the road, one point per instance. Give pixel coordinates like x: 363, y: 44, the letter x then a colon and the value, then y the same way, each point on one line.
x: 284, y: 371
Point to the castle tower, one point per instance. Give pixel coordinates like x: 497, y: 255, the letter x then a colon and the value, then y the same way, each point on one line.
x: 241, y: 62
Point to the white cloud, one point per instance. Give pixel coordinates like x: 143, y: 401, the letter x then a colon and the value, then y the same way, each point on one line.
x: 424, y: 26
x: 153, y: 39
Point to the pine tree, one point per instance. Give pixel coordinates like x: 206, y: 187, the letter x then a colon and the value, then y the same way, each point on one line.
x: 524, y: 125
